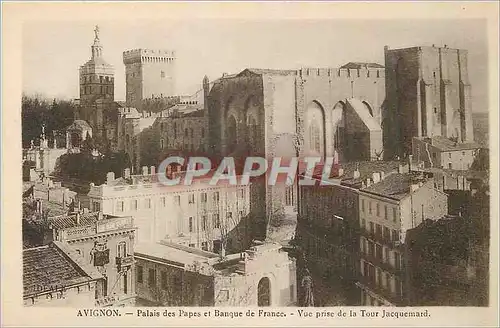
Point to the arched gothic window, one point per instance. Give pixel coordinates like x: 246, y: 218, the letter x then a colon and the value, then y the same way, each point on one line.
x: 315, y: 136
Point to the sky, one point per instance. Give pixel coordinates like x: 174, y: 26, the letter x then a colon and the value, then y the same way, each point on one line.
x: 53, y: 51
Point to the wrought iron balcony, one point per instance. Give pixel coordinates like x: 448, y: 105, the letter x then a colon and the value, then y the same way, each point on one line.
x: 123, y: 262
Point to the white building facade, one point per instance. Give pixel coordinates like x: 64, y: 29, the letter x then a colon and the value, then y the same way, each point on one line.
x: 198, y: 215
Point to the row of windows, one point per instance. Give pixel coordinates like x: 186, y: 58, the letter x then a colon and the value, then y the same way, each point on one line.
x: 378, y: 208
x: 216, y: 223
x: 94, y: 78
x: 379, y: 278
x: 135, y: 204
x: 380, y: 232
x: 176, y: 280
x: 187, y: 132
x: 164, y: 143
x: 87, y: 90
x: 381, y: 253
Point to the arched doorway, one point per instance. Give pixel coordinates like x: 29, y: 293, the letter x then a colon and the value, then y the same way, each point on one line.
x: 76, y: 140
x: 264, y: 292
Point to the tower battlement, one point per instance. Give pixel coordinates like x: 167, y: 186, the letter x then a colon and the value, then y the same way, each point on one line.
x: 148, y: 55
x: 343, y: 73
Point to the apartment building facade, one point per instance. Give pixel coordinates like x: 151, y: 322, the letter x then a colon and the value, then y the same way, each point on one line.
x: 387, y: 210
x: 200, y: 215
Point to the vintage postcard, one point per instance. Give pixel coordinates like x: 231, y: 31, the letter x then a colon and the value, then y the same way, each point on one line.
x: 249, y: 164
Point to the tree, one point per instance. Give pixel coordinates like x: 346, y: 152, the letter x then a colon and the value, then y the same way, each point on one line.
x: 37, y: 110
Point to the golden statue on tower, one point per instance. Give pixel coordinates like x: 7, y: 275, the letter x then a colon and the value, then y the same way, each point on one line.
x: 96, y: 31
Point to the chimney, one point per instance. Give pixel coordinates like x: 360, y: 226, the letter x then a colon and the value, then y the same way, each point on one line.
x: 78, y: 218
x: 410, y: 161
x: 341, y: 171
x: 382, y: 175
x: 376, y: 177
x: 356, y: 174
x: 153, y: 170
x: 126, y: 174
x: 368, y: 182
x: 144, y: 170
x: 110, y: 177
x: 99, y: 216
x: 224, y: 74
x: 400, y: 169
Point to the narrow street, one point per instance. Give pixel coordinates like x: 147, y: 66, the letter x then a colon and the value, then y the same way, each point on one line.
x: 327, y: 291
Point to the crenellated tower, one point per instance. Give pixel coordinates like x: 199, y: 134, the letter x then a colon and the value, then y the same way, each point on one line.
x: 150, y: 74
x: 428, y: 95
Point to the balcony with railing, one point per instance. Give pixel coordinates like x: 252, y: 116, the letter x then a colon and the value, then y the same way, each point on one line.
x: 114, y: 223
x: 124, y: 262
x: 379, y: 262
x: 381, y: 238
x: 370, y: 285
x: 78, y: 232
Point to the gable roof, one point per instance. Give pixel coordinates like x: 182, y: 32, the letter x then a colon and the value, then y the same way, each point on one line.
x: 360, y: 65
x: 79, y: 125
x: 445, y: 144
x: 267, y: 71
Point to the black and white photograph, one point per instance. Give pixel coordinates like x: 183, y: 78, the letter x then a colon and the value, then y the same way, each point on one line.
x: 266, y: 164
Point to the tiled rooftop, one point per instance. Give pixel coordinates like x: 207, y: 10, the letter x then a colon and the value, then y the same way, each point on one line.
x: 394, y: 185
x: 365, y: 168
x: 261, y: 71
x: 47, y: 268
x: 359, y: 65
x: 69, y: 221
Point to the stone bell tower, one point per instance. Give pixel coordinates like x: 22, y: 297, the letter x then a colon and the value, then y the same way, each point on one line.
x: 96, y: 88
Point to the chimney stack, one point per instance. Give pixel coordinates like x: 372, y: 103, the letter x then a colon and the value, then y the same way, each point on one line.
x: 410, y: 160
x: 110, y: 177
x: 78, y: 218
x: 126, y: 174
x: 356, y: 174
x: 144, y: 170
x: 153, y: 170
x: 376, y: 177
x: 400, y: 169
x: 99, y: 216
x: 368, y: 182
x: 341, y: 171
x: 382, y: 175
